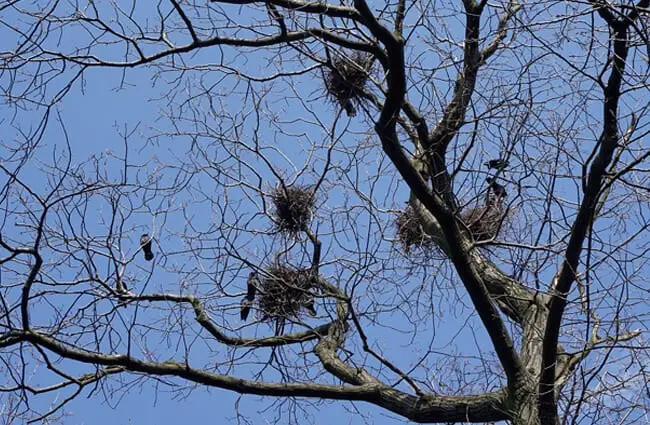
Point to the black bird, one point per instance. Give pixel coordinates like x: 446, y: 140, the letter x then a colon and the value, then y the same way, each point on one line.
x: 310, y: 307
x: 251, y: 285
x: 349, y: 108
x: 145, y: 243
x: 121, y: 286
x: 245, y: 308
x: 251, y: 288
x: 498, y: 191
x: 497, y: 164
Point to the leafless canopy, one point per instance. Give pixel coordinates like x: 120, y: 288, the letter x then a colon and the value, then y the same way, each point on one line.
x: 198, y: 123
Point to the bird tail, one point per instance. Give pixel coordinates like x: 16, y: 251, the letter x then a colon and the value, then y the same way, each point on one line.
x: 350, y: 109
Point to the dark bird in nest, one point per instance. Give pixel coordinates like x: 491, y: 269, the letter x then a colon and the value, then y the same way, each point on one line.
x: 496, y: 192
x: 251, y: 289
x: 484, y: 222
x: 145, y: 244
x: 349, y: 108
x: 310, y: 307
x: 497, y: 164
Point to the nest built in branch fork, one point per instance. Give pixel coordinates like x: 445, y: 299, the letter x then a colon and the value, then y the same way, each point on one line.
x: 285, y: 293
x: 410, y: 231
x: 294, y: 207
x: 484, y: 222
x: 346, y: 80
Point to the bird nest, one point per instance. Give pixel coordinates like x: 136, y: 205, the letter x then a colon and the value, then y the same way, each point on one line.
x: 294, y: 207
x: 410, y: 231
x: 484, y: 222
x: 346, y: 80
x: 285, y: 293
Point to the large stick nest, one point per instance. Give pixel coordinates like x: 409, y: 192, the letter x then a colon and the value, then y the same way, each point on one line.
x: 410, y: 231
x: 285, y: 293
x: 294, y: 207
x: 484, y: 222
x: 348, y: 77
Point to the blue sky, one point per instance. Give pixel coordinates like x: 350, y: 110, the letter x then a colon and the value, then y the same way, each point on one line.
x: 96, y: 115
x: 94, y: 121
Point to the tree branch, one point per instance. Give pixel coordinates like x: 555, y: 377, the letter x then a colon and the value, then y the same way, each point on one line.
x: 459, y: 246
x: 430, y: 408
x: 202, y: 318
x: 566, y: 274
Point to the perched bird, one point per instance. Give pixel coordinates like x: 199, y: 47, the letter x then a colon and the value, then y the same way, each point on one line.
x: 310, y: 307
x: 251, y: 288
x: 251, y: 285
x: 498, y: 192
x: 349, y: 108
x: 145, y: 243
x: 497, y: 164
x: 121, y: 286
x: 497, y: 189
x: 245, y: 308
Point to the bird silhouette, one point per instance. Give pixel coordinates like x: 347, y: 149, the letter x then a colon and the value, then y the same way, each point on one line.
x: 496, y: 192
x: 349, y: 108
x: 310, y: 307
x: 245, y: 308
x: 497, y: 164
x: 145, y: 243
x: 251, y: 285
x: 251, y: 289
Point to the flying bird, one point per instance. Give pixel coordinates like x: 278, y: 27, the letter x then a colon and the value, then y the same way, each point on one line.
x: 497, y: 164
x: 251, y: 288
x: 145, y: 243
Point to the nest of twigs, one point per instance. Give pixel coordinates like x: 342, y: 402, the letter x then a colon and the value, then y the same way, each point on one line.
x: 484, y: 222
x: 345, y: 82
x: 294, y: 207
x: 285, y: 293
x: 410, y: 231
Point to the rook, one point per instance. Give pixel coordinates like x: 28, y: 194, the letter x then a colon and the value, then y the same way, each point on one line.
x: 145, y: 243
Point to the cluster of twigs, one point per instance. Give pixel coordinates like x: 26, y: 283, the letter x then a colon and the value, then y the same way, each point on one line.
x: 286, y: 292
x: 294, y: 208
x: 346, y: 80
x: 410, y: 231
x: 484, y: 221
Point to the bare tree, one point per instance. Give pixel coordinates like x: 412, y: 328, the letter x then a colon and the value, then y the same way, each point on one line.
x: 376, y: 184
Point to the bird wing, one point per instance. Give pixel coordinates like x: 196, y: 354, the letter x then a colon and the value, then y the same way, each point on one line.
x: 245, y: 309
x: 252, y: 288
